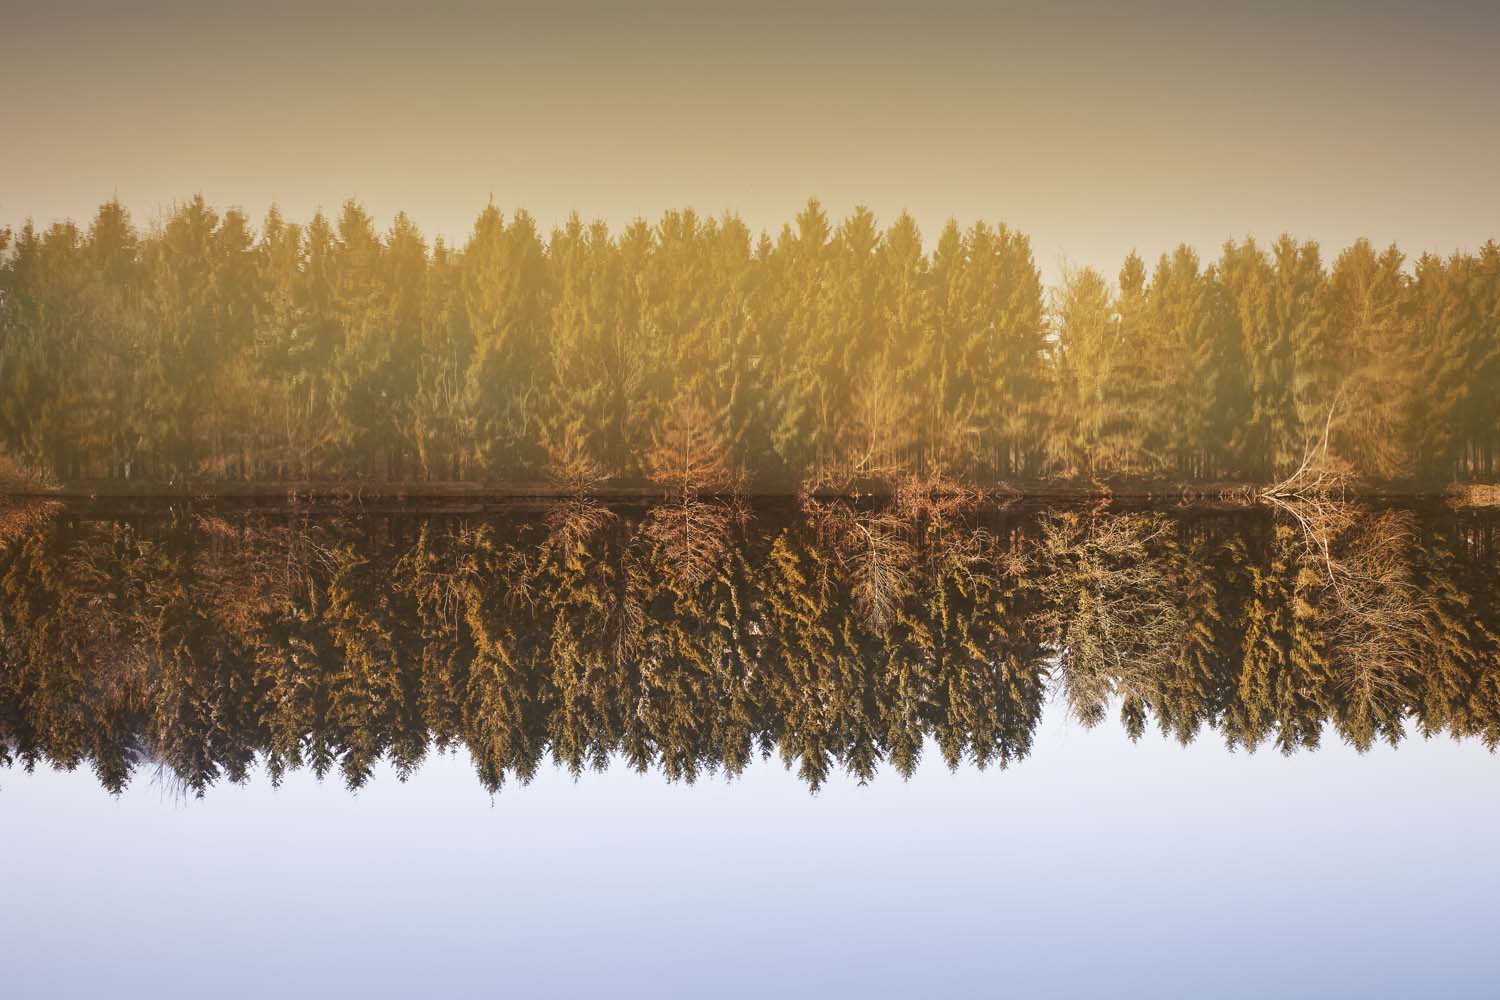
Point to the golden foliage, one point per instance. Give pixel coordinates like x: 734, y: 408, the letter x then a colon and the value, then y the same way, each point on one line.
x: 843, y: 636
x: 689, y: 452
x: 572, y: 468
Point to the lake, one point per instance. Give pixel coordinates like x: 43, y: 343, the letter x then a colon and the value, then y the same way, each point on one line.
x: 565, y: 746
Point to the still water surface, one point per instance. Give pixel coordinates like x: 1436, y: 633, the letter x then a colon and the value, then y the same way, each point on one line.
x: 573, y: 749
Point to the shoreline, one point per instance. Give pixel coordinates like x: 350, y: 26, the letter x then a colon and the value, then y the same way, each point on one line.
x: 1212, y: 494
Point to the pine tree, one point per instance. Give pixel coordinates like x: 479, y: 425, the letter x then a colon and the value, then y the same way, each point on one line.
x: 1084, y: 366
x: 1449, y: 348
x: 1193, y: 348
x: 1365, y: 381
x: 506, y: 298
x: 799, y: 346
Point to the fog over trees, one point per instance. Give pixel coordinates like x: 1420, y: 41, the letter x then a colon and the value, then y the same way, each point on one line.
x: 831, y: 355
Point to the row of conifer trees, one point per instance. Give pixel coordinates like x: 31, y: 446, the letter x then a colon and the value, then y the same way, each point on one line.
x: 691, y: 639
x: 207, y: 349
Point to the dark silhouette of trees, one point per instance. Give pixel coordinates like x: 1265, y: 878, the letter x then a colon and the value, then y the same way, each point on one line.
x: 698, y: 633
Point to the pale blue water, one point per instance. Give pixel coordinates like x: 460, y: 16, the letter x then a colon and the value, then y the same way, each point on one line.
x: 1095, y: 867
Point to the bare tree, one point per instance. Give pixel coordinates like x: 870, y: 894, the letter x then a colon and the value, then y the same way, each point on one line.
x: 1114, y: 609
x: 252, y: 568
x: 690, y: 454
x: 935, y: 497
x: 572, y: 468
x: 875, y: 549
x: 693, y: 536
x: 1314, y: 494
x: 1372, y: 610
x: 881, y: 436
x: 1375, y: 610
x: 575, y: 522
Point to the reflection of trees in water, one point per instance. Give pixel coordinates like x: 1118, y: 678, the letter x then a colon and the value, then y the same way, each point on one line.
x: 690, y: 538
x: 1114, y: 608
x: 696, y: 634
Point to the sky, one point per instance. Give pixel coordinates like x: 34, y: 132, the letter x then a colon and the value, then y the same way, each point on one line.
x: 1095, y: 128
x: 1095, y: 867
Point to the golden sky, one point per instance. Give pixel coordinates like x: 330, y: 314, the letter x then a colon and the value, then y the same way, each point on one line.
x: 1093, y: 129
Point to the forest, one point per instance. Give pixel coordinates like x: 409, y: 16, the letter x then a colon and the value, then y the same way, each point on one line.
x: 832, y: 356
x: 693, y: 636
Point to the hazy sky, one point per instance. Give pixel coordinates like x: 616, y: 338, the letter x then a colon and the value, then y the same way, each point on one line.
x: 1093, y: 127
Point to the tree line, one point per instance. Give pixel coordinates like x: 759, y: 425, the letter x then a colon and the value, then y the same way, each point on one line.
x: 205, y: 349
x: 692, y: 636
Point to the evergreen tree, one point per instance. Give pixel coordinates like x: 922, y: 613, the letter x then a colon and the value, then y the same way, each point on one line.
x: 506, y: 296
x: 845, y: 357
